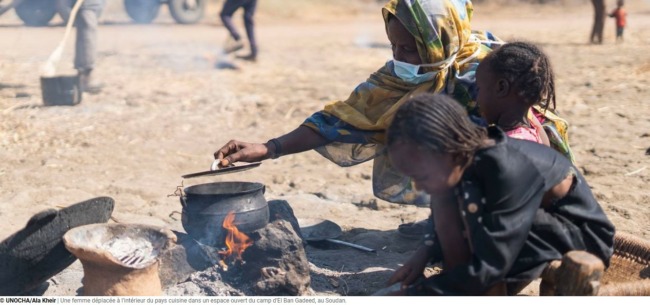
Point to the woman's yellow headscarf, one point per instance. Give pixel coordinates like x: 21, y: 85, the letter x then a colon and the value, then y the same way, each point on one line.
x: 442, y: 32
x: 357, y: 125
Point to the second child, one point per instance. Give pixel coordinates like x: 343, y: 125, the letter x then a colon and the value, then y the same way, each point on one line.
x: 511, y: 80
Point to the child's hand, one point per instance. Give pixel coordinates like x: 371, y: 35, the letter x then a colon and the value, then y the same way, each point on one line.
x: 412, y: 269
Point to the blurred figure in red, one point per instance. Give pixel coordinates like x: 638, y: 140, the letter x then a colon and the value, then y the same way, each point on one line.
x: 599, y: 21
x: 620, y: 15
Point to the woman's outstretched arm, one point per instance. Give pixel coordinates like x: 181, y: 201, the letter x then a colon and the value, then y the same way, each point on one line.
x: 300, y: 139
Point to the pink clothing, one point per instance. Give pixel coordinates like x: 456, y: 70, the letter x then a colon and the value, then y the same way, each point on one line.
x: 540, y: 117
x: 528, y: 133
x: 525, y: 133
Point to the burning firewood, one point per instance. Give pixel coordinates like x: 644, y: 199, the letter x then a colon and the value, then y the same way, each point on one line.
x: 236, y: 242
x: 223, y: 265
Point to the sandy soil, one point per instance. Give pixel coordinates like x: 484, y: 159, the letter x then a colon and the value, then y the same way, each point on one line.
x: 165, y: 110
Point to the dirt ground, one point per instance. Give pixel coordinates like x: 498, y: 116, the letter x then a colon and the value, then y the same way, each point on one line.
x: 165, y: 110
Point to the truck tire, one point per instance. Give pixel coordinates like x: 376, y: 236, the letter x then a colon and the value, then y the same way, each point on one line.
x: 142, y: 11
x: 36, y: 12
x: 187, y: 11
x: 63, y: 7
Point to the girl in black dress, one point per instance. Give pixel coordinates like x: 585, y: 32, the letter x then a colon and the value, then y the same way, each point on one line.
x: 501, y: 208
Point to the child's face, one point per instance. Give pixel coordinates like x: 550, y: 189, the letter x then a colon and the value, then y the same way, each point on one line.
x: 487, y: 98
x: 403, y: 44
x: 434, y: 173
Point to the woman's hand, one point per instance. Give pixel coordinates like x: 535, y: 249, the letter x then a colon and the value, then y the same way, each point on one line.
x: 235, y: 151
x: 412, y: 269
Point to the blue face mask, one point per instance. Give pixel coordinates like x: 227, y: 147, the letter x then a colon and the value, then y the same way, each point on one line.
x: 410, y: 72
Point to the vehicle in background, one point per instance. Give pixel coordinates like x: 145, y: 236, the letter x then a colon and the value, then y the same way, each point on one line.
x: 41, y: 12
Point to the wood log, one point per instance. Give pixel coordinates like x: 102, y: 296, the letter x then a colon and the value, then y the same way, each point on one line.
x: 547, y: 286
x: 579, y: 274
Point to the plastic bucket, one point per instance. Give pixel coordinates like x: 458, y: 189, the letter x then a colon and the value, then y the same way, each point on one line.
x: 60, y: 90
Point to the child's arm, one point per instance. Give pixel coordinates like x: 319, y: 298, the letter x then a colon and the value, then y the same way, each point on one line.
x: 496, y: 244
x: 428, y: 252
x: 412, y: 269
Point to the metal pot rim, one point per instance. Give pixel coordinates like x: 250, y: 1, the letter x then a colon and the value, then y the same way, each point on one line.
x: 246, y: 188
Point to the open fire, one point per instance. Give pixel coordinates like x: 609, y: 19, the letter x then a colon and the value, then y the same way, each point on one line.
x: 275, y: 258
x: 236, y: 242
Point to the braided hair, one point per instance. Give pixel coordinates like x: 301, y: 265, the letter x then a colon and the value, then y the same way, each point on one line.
x: 526, y: 67
x: 438, y: 123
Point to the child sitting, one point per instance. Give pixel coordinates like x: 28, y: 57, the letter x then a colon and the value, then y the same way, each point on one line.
x: 511, y: 80
x: 501, y: 208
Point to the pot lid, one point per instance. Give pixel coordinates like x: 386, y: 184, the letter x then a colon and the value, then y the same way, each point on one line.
x: 225, y: 170
x: 32, y: 255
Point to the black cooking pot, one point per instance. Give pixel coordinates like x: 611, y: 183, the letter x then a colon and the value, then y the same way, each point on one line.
x: 205, y: 206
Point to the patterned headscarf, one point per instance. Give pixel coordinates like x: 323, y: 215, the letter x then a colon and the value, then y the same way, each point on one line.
x: 356, y: 126
x: 441, y: 28
x: 442, y: 32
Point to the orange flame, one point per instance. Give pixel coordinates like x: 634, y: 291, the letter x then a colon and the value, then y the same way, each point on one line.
x: 236, y: 242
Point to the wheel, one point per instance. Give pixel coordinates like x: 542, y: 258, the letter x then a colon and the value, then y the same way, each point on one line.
x: 63, y: 7
x: 142, y: 11
x: 187, y: 11
x: 36, y: 12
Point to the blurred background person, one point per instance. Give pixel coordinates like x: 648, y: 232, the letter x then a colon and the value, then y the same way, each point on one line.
x: 234, y: 42
x: 599, y: 21
x: 85, y: 54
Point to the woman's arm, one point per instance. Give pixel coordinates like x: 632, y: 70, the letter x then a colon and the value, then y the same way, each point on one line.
x: 300, y: 139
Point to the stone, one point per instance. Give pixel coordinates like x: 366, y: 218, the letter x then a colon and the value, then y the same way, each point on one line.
x: 276, y: 262
x: 281, y: 210
x: 183, y: 259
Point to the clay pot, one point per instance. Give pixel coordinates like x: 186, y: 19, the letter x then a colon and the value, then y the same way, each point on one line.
x: 119, y: 259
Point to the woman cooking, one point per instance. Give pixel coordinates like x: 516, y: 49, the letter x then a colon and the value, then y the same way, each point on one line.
x: 434, y: 50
